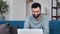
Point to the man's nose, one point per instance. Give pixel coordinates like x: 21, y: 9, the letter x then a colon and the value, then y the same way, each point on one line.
x: 35, y: 13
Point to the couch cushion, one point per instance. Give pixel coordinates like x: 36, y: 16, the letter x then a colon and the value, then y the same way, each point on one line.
x: 4, y: 29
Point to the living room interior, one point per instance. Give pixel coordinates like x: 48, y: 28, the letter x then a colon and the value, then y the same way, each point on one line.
x: 18, y: 10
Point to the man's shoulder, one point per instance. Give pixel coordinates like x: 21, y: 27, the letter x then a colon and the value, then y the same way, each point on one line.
x: 44, y: 17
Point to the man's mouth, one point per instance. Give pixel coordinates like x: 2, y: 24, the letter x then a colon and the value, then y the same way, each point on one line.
x: 36, y: 16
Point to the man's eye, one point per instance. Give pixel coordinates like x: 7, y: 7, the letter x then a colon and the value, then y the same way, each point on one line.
x: 33, y: 11
x: 37, y: 11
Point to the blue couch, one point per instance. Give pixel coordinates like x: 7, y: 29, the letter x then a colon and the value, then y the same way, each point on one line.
x: 19, y: 24
x: 54, y: 26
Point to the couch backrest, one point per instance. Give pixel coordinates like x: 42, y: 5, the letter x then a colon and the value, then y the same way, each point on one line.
x: 19, y: 24
x: 54, y: 27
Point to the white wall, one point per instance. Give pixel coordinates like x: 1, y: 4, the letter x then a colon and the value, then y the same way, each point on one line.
x: 19, y: 9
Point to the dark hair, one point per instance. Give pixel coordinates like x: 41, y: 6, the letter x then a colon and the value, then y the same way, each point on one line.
x: 35, y: 5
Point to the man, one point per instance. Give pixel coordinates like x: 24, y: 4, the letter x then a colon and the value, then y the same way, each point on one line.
x: 36, y: 20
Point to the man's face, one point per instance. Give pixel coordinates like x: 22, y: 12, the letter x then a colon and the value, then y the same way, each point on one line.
x: 36, y: 12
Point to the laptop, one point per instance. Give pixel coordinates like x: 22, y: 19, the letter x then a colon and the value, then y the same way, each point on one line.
x: 30, y: 31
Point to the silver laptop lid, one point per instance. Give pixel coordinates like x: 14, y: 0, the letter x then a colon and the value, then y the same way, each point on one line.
x: 30, y: 31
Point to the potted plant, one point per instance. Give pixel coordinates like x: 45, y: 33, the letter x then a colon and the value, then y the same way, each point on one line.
x: 3, y: 8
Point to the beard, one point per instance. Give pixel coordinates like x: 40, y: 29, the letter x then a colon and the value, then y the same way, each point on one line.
x: 36, y: 16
